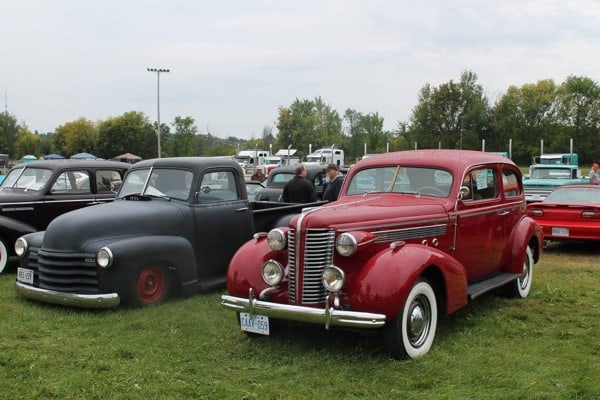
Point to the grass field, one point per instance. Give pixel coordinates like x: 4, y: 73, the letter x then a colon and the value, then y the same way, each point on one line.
x: 544, y: 347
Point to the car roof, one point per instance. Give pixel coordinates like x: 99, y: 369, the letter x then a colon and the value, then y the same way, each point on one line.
x: 443, y: 158
x: 73, y: 163
x: 196, y: 163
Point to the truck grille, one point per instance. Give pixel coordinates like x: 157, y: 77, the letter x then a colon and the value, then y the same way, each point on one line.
x: 314, y: 257
x: 70, y: 273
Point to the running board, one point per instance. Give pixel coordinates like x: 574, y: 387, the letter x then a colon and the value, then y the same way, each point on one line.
x: 481, y: 287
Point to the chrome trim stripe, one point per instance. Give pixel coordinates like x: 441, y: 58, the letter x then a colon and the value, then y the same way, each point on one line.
x: 410, y: 233
x: 32, y: 203
x: 441, y: 221
x: 105, y: 300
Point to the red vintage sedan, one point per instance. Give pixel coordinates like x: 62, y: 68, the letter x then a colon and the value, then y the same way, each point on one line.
x: 570, y: 212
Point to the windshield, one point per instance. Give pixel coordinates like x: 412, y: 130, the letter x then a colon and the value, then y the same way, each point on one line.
x: 159, y: 182
x: 551, y: 173
x: 574, y: 195
x: 398, y: 179
x: 26, y: 179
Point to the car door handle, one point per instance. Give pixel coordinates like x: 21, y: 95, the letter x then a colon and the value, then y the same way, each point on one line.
x: 503, y: 212
x: 242, y: 209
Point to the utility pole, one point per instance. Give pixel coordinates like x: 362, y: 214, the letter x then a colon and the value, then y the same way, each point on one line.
x: 158, y: 71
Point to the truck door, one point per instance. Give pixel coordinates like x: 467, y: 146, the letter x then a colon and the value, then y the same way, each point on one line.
x: 223, y: 221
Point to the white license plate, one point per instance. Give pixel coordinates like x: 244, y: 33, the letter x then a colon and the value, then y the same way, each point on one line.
x: 25, y: 275
x: 556, y: 231
x: 254, y: 323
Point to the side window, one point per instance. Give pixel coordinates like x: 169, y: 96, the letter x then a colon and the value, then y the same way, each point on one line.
x: 510, y: 183
x: 108, y: 181
x: 218, y: 186
x: 481, y: 184
x: 72, y: 182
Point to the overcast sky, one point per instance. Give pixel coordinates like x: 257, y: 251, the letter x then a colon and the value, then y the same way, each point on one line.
x: 234, y: 63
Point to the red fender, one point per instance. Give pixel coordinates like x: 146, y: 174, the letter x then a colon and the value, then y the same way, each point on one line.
x: 520, y: 238
x: 383, y: 284
x: 244, y: 269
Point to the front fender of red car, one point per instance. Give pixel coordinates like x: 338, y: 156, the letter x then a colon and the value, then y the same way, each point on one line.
x: 383, y: 283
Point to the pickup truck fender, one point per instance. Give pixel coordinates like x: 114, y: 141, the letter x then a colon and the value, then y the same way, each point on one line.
x: 383, y: 283
x: 174, y: 252
x: 244, y: 270
x: 526, y: 233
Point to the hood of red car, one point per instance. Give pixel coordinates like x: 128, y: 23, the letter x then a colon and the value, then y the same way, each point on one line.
x: 373, y: 210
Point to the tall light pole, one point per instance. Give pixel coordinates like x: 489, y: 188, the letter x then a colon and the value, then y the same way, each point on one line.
x: 158, y: 71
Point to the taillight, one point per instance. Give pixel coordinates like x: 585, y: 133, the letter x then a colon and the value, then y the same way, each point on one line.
x: 535, y: 212
x: 590, y: 214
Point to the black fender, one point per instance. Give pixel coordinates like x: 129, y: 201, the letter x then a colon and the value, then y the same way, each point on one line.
x: 172, y: 252
x: 12, y: 229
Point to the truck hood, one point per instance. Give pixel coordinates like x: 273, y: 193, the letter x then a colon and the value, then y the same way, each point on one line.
x: 74, y: 230
x: 374, y: 210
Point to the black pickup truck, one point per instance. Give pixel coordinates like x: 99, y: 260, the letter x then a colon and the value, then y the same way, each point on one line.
x: 173, y: 228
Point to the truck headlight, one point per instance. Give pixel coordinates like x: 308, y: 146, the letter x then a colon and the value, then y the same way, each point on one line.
x: 104, y: 257
x: 333, y: 278
x: 276, y: 239
x: 272, y: 272
x: 21, y: 247
x: 346, y: 244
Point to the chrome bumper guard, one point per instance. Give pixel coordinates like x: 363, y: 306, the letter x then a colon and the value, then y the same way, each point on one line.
x: 328, y: 316
x: 104, y: 300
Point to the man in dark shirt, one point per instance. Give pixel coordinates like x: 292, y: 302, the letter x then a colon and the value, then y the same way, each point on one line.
x: 299, y: 189
x: 332, y: 190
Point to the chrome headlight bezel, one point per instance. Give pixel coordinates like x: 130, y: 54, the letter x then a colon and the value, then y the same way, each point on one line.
x: 346, y: 244
x: 104, y: 257
x: 272, y: 272
x: 276, y: 239
x: 333, y: 278
x: 21, y: 247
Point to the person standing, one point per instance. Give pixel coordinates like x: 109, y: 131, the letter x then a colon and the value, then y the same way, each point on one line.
x: 332, y: 190
x: 258, y: 175
x: 299, y: 189
x: 594, y: 178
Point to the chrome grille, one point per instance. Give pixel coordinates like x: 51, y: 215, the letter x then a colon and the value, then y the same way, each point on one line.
x: 316, y: 255
x: 70, y: 273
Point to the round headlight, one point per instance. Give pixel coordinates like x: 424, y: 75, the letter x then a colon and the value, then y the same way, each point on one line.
x: 21, y: 247
x: 346, y: 244
x: 272, y: 272
x: 276, y: 239
x: 104, y: 257
x: 333, y: 278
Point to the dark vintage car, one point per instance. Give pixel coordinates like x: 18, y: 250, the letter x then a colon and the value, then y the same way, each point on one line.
x: 34, y: 193
x: 570, y: 212
x: 172, y: 230
x: 281, y: 175
x: 413, y: 234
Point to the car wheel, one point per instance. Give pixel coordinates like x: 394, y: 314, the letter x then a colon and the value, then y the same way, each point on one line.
x: 4, y: 256
x: 151, y: 287
x: 411, y: 333
x: 521, y: 287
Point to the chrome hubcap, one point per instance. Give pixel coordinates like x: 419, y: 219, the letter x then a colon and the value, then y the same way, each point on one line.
x: 419, y: 321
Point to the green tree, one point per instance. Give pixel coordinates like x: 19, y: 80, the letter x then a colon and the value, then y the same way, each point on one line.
x: 308, y: 123
x: 453, y: 115
x: 364, y: 131
x: 30, y: 143
x: 579, y: 115
x: 75, y: 137
x: 528, y: 115
x: 132, y: 132
x: 184, y: 140
x: 8, y: 133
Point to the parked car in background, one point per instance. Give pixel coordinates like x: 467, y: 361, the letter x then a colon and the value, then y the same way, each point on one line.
x: 251, y: 188
x: 172, y: 230
x: 34, y: 193
x: 413, y: 234
x: 570, y: 212
x: 281, y: 175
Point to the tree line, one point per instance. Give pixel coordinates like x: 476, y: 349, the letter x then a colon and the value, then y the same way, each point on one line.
x: 454, y: 114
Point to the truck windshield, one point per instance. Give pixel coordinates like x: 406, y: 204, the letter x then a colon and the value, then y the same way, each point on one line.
x: 398, y: 179
x: 158, y: 182
x: 551, y: 173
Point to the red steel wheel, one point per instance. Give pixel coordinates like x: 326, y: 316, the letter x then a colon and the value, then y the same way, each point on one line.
x: 151, y: 286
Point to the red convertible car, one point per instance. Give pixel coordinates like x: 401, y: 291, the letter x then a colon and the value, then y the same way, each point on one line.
x: 570, y: 212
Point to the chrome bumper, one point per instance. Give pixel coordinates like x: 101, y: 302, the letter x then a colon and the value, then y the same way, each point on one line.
x: 326, y: 316
x: 104, y: 300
